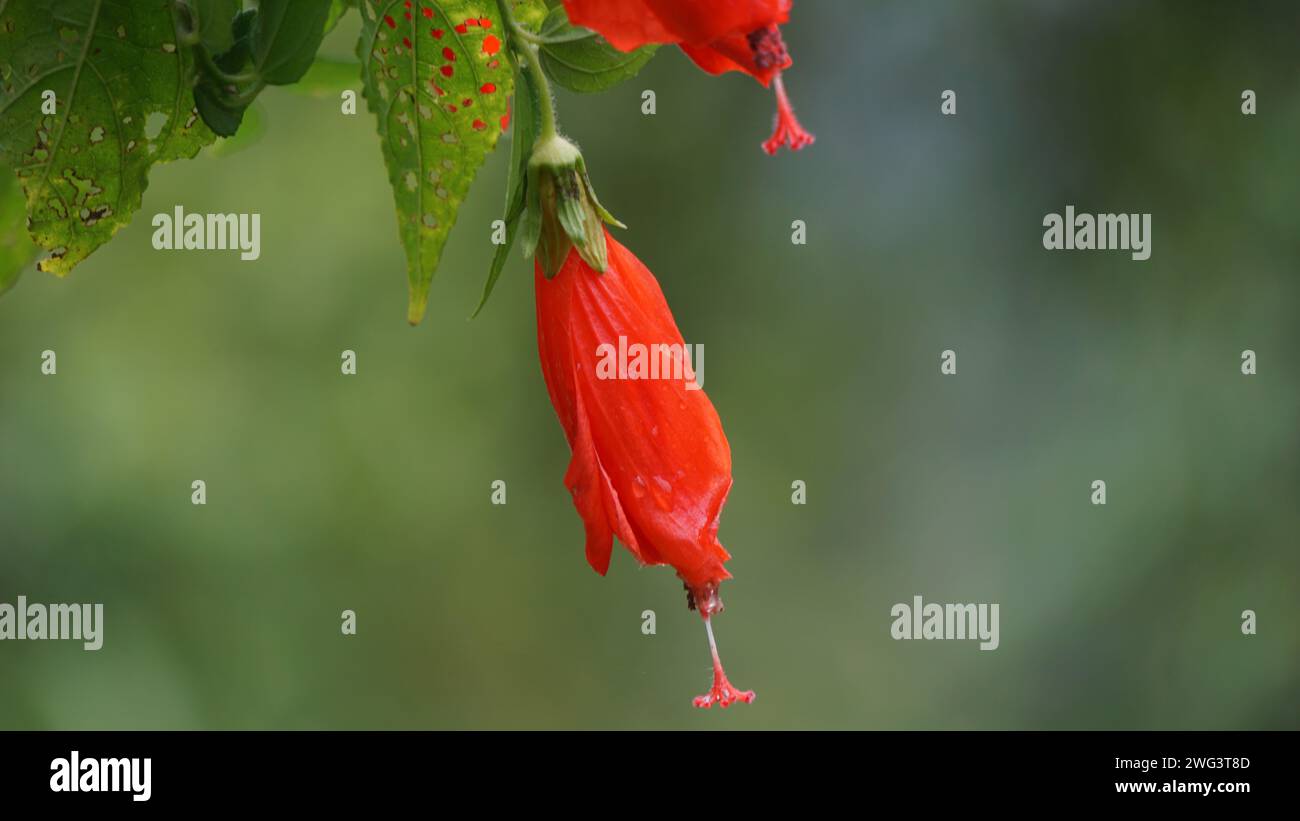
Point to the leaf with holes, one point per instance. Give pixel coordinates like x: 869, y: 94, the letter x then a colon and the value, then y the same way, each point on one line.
x: 437, y: 80
x: 121, y: 105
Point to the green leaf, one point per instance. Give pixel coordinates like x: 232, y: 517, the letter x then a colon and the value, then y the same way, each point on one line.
x: 286, y: 37
x: 122, y: 105
x: 526, y: 127
x: 233, y: 59
x: 223, y: 119
x: 583, y: 61
x: 438, y: 88
x: 215, y: 17
x: 16, y: 248
x: 222, y: 108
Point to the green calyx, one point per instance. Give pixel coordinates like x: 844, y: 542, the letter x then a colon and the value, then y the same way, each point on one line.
x: 563, y: 211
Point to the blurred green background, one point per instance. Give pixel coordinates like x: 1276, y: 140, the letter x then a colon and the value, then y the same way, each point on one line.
x: 372, y: 492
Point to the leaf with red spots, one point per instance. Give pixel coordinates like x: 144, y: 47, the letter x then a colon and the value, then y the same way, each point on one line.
x: 433, y: 142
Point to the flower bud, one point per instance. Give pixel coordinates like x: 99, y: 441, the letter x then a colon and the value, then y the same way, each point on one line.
x: 563, y: 211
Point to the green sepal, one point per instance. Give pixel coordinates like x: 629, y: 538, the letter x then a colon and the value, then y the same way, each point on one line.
x: 553, y: 241
x: 591, y: 192
x: 580, y: 220
x: 530, y: 230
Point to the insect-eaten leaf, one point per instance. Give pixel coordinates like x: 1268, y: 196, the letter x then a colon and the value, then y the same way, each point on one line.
x: 437, y: 79
x: 121, y: 103
x: 581, y: 60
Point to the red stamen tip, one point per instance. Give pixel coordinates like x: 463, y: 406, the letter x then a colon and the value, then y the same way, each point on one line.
x: 724, y: 695
x: 722, y: 692
x: 787, y: 130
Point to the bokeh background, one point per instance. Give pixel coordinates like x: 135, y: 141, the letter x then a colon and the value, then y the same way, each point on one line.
x: 371, y: 493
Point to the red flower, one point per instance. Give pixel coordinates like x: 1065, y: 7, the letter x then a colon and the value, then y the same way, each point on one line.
x: 650, y: 464
x: 719, y: 35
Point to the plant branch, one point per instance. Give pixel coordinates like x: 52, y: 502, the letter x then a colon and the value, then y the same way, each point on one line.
x: 547, y: 40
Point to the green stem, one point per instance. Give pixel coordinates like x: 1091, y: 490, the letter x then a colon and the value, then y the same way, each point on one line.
x: 545, y: 104
x: 572, y: 37
x: 527, y: 36
x: 522, y: 42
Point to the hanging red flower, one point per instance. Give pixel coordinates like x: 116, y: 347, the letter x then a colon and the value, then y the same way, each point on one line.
x: 651, y: 464
x: 719, y: 35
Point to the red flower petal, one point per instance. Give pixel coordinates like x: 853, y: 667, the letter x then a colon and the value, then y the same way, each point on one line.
x: 629, y: 24
x: 760, y: 53
x: 651, y: 463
